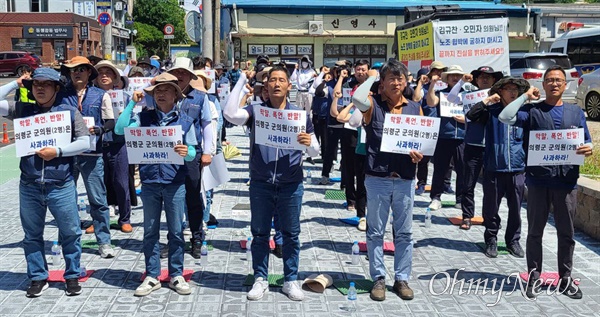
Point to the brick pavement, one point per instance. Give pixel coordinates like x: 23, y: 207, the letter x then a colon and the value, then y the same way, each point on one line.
x: 326, y: 245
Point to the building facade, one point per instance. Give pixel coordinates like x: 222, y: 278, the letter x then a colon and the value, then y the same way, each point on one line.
x: 328, y: 30
x: 51, y: 36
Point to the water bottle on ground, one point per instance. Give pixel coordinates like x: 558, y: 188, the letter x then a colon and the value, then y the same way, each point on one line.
x: 56, y: 253
x: 249, y: 255
x: 82, y: 271
x: 351, y: 304
x: 428, y: 218
x: 204, y: 255
x: 355, y: 253
x: 82, y: 208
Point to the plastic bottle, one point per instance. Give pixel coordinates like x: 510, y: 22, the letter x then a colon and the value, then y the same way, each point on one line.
x: 249, y: 255
x: 82, y: 271
x: 82, y: 208
x: 351, y: 306
x: 428, y: 218
x: 56, y: 253
x: 355, y: 253
x: 204, y: 255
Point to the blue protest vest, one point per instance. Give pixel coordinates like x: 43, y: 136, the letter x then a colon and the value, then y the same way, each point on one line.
x: 503, y: 144
x: 91, y: 106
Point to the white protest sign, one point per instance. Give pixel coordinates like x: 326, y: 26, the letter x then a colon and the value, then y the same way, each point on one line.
x: 211, y: 74
x: 449, y: 109
x: 555, y: 147
x: 347, y: 124
x: 216, y: 173
x: 153, y: 145
x: 90, y: 123
x: 223, y: 92
x: 403, y: 133
x: 117, y: 98
x: 279, y: 128
x: 440, y: 85
x: 461, y: 42
x: 362, y: 136
x: 138, y: 84
x: 346, y: 96
x: 52, y: 129
x: 470, y: 98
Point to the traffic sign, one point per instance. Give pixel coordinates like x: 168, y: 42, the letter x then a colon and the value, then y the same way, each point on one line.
x: 169, y: 37
x: 104, y: 18
x: 169, y: 29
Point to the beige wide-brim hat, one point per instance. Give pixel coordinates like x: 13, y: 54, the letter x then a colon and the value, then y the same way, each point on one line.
x: 318, y: 282
x: 109, y: 64
x: 185, y: 64
x: 164, y: 79
x: 453, y: 69
x: 437, y: 65
x: 204, y: 75
x: 77, y: 61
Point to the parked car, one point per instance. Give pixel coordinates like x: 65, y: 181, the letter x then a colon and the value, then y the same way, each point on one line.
x: 531, y: 66
x: 13, y: 62
x: 588, y: 94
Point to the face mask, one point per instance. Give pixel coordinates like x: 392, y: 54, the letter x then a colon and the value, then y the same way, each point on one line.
x: 304, y: 64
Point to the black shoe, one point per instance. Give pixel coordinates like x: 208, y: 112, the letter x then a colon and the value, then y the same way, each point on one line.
x: 534, y: 287
x: 196, y: 248
x: 567, y: 287
x: 515, y: 250
x: 72, y: 287
x: 36, y: 288
x: 491, y: 250
x: 212, y: 221
x: 278, y: 251
x: 164, y: 251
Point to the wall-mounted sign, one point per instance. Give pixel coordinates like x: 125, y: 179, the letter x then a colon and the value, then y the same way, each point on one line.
x: 84, y: 31
x: 288, y: 49
x: 271, y: 49
x: 48, y: 32
x: 305, y: 49
x: 103, y: 5
x: 255, y: 49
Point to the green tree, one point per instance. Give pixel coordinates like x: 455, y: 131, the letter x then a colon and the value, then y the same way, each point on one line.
x: 150, y: 17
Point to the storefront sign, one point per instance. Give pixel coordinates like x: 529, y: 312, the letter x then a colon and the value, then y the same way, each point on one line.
x: 47, y: 32
x: 271, y: 49
x: 84, y: 31
x: 255, y: 49
x: 103, y: 5
x: 288, y: 49
x: 305, y: 49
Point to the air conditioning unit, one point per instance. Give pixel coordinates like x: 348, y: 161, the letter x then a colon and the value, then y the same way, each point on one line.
x: 315, y: 27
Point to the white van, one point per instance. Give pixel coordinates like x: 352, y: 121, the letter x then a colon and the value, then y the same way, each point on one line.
x: 582, y: 46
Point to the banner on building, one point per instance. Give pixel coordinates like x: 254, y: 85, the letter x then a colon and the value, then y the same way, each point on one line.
x: 52, y: 129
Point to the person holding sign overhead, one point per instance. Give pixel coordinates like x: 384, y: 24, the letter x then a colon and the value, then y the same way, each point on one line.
x: 504, y: 165
x: 275, y: 175
x: 163, y: 183
x: 547, y: 185
x: 96, y: 107
x: 47, y: 179
x: 390, y: 178
x: 450, y: 146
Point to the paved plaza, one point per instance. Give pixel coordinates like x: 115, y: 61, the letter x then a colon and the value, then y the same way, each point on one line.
x: 440, y: 252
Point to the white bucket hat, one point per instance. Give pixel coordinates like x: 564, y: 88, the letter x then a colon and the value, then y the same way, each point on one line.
x: 183, y: 63
x: 452, y: 69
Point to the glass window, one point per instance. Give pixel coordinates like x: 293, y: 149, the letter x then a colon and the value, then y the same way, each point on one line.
x: 11, y: 55
x: 543, y: 63
x: 35, y: 5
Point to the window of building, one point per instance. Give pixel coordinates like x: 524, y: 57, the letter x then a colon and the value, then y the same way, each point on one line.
x: 352, y: 52
x: 181, y: 2
x: 39, y: 5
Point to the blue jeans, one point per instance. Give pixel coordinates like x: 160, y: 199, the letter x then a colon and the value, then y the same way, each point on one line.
x: 383, y: 193
x: 92, y: 170
x: 34, y: 199
x: 206, y: 213
x: 173, y: 196
x: 266, y: 199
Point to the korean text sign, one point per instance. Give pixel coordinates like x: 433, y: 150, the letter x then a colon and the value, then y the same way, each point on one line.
x: 554, y: 147
x: 460, y: 42
x: 117, y: 98
x: 52, y: 129
x: 403, y: 133
x: 416, y: 44
x: 90, y: 122
x: 449, y: 109
x: 153, y: 145
x: 279, y: 128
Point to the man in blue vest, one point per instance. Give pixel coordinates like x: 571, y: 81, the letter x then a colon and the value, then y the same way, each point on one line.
x: 47, y: 182
x: 93, y: 103
x: 390, y: 178
x: 504, y: 165
x: 195, y: 104
x: 556, y: 185
x: 275, y: 185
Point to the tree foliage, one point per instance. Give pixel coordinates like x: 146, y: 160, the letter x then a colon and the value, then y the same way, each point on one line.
x: 150, y: 17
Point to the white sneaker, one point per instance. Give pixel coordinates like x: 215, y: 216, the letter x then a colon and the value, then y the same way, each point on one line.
x: 149, y: 285
x: 293, y: 291
x: 106, y: 251
x: 187, y: 232
x: 260, y: 288
x: 204, y: 227
x: 435, y: 204
x: 324, y: 181
x: 362, y: 224
x: 179, y: 285
x: 111, y: 210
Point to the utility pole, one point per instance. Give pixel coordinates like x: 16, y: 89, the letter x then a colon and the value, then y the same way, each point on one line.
x: 207, y: 29
x: 217, y: 31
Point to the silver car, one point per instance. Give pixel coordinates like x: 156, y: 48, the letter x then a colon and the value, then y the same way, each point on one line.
x: 588, y: 94
x: 531, y: 66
